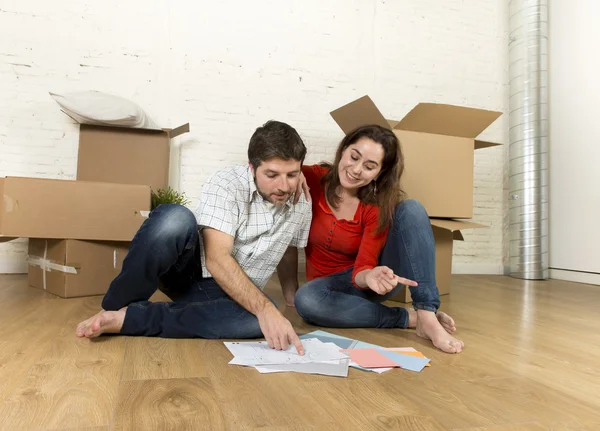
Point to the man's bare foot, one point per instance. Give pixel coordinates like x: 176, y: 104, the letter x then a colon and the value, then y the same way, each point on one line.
x: 430, y: 328
x: 446, y: 321
x: 105, y: 322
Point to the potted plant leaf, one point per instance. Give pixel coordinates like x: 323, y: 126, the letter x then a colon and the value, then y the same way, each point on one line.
x: 168, y: 196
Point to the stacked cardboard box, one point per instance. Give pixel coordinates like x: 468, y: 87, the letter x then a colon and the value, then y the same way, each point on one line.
x: 80, y: 229
x: 438, y: 142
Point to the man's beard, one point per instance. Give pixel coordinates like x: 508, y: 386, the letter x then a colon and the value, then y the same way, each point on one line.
x: 268, y: 198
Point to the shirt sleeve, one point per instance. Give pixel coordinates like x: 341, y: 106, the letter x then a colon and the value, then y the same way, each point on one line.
x: 300, y: 239
x: 371, y: 245
x: 217, y: 208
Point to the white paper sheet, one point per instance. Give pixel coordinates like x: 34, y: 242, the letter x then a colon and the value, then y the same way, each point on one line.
x: 259, y: 353
x: 329, y: 368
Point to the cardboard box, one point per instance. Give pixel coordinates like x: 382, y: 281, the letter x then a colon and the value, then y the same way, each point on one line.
x: 445, y: 233
x: 71, y: 268
x: 126, y: 155
x: 438, y: 142
x: 66, y: 209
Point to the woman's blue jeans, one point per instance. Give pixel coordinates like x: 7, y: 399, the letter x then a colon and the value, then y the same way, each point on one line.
x: 409, y: 251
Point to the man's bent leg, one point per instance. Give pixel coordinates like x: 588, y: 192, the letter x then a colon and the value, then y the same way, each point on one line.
x: 219, y: 318
x: 166, y: 242
x: 205, y: 311
x: 334, y: 302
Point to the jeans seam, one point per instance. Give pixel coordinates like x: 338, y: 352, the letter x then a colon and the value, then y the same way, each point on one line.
x: 409, y: 254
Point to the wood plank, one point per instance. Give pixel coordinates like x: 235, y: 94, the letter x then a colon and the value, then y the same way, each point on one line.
x: 160, y: 358
x: 82, y: 429
x: 169, y: 404
x: 512, y: 427
x: 303, y: 427
x: 74, y: 384
x: 485, y: 402
x: 359, y: 404
x: 530, y: 362
x: 31, y: 319
x: 252, y: 400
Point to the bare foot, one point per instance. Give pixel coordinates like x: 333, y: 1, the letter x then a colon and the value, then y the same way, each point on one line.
x: 446, y: 321
x: 430, y: 328
x: 412, y: 318
x: 109, y: 322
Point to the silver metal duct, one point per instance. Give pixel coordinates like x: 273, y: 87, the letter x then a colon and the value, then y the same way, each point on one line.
x: 528, y: 138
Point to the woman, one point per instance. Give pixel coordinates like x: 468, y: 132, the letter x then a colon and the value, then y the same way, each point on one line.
x: 363, y: 238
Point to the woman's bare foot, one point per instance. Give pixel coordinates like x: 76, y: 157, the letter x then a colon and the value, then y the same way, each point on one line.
x: 446, y: 321
x: 430, y: 328
x: 105, y: 322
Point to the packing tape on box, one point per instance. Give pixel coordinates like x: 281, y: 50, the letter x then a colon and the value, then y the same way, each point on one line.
x: 47, y: 265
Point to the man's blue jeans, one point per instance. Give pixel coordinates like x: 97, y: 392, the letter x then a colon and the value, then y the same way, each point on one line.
x: 409, y: 251
x: 165, y: 251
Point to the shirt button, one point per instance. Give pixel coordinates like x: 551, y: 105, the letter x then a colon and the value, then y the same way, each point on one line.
x: 328, y: 239
x: 330, y: 231
x: 334, y: 223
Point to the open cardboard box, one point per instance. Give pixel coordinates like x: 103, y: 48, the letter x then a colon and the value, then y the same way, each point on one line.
x: 126, y: 155
x: 438, y: 142
x: 67, y: 209
x: 445, y: 232
x: 71, y: 268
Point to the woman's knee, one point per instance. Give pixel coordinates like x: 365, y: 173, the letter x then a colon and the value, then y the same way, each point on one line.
x: 309, y: 300
x: 411, y: 211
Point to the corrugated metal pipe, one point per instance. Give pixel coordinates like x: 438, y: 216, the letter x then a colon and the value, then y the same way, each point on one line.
x: 528, y: 139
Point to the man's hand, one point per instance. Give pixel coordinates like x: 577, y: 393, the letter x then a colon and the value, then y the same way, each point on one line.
x: 278, y: 330
x: 301, y: 187
x: 382, y: 280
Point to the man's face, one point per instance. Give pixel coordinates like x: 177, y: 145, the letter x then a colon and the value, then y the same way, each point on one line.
x: 276, y: 179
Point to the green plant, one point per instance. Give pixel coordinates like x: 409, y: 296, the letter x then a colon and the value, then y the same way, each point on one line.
x: 168, y: 196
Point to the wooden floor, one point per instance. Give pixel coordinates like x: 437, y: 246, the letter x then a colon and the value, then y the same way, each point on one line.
x: 530, y: 364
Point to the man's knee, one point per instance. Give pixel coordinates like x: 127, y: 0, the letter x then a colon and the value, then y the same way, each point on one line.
x: 171, y: 220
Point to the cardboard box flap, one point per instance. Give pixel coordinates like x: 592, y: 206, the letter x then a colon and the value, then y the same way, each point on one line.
x: 173, y: 133
x: 358, y: 113
x: 484, y: 144
x: 455, y: 226
x: 447, y: 120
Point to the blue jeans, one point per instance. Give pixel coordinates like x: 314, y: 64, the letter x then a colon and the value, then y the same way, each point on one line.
x: 409, y: 251
x: 166, y: 251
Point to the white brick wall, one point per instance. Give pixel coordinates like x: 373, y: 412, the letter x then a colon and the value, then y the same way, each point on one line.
x: 228, y: 66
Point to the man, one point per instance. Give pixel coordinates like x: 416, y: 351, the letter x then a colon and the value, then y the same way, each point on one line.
x: 215, y: 262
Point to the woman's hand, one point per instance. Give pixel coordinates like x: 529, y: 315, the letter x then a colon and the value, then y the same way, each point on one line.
x: 301, y: 187
x: 382, y: 280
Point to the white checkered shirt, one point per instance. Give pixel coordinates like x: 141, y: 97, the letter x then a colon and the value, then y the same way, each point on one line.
x: 230, y: 203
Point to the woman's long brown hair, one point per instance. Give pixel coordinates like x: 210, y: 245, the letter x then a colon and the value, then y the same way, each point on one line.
x: 385, y: 192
